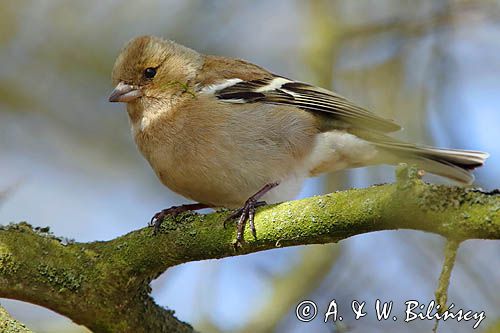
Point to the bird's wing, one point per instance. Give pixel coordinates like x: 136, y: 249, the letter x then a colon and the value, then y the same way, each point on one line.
x: 279, y: 90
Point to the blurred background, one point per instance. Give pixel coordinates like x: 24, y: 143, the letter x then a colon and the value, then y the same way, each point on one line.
x: 68, y: 161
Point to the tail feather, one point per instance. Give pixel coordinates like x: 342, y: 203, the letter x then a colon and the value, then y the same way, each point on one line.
x: 455, y: 164
x: 451, y: 163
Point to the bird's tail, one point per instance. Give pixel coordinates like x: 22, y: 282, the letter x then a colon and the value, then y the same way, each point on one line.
x: 450, y: 163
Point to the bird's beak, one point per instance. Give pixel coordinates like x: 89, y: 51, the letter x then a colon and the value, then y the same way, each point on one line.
x: 124, y: 93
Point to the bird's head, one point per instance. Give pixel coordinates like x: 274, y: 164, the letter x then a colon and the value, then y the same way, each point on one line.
x: 151, y: 69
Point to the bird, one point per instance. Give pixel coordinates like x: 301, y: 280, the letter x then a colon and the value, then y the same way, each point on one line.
x: 226, y: 133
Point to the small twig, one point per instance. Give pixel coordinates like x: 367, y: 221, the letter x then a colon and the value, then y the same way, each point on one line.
x: 441, y: 293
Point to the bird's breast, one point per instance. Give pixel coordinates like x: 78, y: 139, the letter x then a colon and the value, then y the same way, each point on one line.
x: 222, y: 154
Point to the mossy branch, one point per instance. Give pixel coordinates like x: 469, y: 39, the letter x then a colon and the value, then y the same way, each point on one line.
x: 105, y: 285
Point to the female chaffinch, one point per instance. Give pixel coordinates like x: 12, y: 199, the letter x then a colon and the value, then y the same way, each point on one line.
x: 227, y: 133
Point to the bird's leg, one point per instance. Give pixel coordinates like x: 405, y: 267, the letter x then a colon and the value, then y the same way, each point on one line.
x: 247, y: 212
x: 158, y: 218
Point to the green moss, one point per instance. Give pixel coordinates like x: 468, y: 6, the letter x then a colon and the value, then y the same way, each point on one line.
x: 7, y: 264
x: 60, y: 279
x: 407, y: 176
x: 42, y: 231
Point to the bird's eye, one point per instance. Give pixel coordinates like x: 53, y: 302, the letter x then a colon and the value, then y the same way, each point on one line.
x: 149, y: 72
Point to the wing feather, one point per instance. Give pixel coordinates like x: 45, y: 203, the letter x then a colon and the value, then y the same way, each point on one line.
x: 279, y: 90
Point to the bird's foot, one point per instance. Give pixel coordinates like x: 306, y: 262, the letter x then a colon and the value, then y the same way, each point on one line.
x: 173, y: 211
x: 247, y: 213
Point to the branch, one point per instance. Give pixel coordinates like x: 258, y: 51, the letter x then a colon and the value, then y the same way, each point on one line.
x: 105, y: 285
x: 10, y: 325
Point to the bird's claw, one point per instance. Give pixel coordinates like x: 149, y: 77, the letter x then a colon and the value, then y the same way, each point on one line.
x: 158, y: 218
x: 233, y: 215
x: 173, y: 211
x: 245, y: 213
